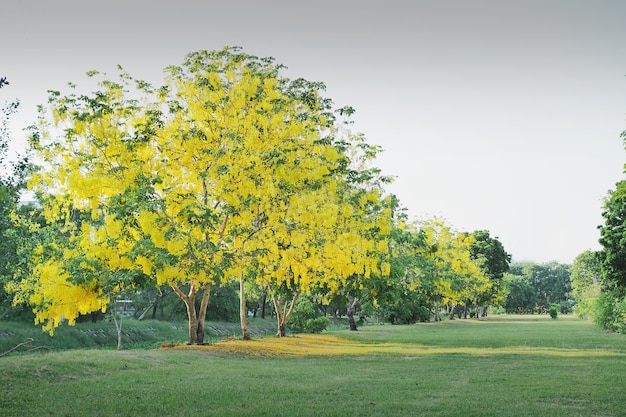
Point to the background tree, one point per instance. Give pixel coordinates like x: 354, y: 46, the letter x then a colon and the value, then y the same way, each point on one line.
x: 550, y: 283
x: 494, y: 261
x: 520, y: 294
x: 612, y: 236
x: 449, y: 277
x: 553, y: 285
x: 612, y: 301
x: 403, y: 297
x: 586, y: 275
x: 13, y: 176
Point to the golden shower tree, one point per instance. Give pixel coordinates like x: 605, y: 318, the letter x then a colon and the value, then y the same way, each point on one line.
x: 227, y: 172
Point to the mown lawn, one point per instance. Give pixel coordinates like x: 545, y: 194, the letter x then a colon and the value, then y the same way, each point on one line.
x: 505, y: 366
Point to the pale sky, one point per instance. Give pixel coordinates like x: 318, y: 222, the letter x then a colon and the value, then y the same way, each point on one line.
x: 502, y: 115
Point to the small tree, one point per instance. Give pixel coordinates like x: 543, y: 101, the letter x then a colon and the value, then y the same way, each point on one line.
x: 554, y: 310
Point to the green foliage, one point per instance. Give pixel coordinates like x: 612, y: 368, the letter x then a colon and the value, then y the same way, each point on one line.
x: 306, y: 317
x: 224, y: 302
x: 494, y: 261
x: 316, y: 325
x: 403, y: 297
x: 13, y: 176
x: 404, y: 307
x: 554, y: 310
x: 586, y: 282
x: 539, y: 286
x: 610, y: 311
x: 520, y: 294
x: 610, y: 307
x: 612, y: 236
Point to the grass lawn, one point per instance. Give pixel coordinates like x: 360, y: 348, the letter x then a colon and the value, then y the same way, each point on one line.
x: 503, y: 366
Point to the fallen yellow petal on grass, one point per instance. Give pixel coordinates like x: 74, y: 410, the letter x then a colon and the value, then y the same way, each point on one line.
x: 324, y: 345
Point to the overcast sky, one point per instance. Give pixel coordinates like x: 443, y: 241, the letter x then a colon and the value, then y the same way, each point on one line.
x: 498, y: 115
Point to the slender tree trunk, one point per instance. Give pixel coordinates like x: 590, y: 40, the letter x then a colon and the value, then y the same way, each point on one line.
x: 350, y: 313
x: 150, y: 307
x: 281, y: 332
x: 118, y: 328
x: 193, y: 320
x: 202, y: 313
x: 263, y: 302
x: 280, y: 317
x: 154, y: 308
x: 283, y: 313
x: 243, y: 311
x: 190, y: 303
x: 451, y: 311
x: 437, y: 312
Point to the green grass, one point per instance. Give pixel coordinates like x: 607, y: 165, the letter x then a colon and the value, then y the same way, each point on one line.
x: 505, y: 366
x: 566, y: 332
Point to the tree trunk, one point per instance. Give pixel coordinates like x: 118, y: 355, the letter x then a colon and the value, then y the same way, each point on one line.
x: 263, y: 302
x: 193, y: 320
x: 281, y: 329
x: 154, y: 308
x: 243, y: 311
x: 150, y: 307
x: 190, y: 303
x: 350, y: 313
x: 451, y: 308
x: 118, y: 328
x: 283, y: 313
x: 196, y: 318
x: 202, y: 313
x: 279, y: 316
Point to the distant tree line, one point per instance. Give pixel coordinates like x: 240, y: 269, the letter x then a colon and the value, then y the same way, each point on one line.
x: 532, y: 288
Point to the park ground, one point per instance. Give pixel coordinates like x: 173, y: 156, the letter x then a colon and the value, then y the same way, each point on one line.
x: 500, y: 366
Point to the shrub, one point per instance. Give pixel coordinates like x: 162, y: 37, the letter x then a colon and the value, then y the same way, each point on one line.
x: 496, y: 310
x: 554, y: 310
x: 316, y: 325
x: 307, y: 318
x: 610, y: 309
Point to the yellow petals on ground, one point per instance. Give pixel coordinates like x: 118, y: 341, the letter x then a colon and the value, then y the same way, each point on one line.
x: 329, y: 345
